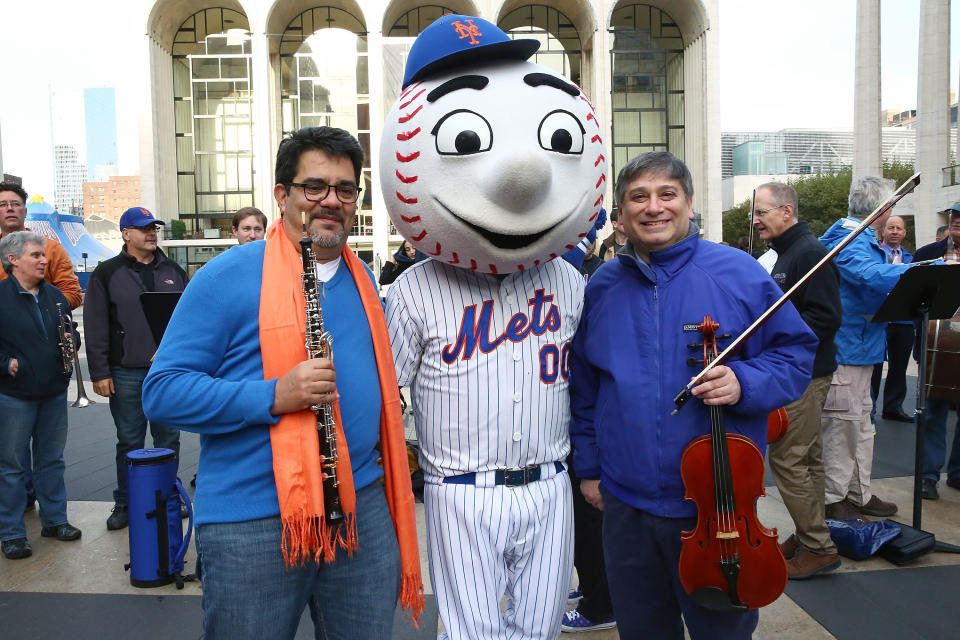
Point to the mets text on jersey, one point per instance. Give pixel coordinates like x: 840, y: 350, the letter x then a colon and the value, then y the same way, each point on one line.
x: 475, y: 332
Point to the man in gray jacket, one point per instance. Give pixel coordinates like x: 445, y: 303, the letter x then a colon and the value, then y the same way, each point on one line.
x: 120, y: 343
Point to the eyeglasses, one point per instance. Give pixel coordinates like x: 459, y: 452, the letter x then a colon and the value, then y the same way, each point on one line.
x: 763, y: 212
x: 318, y: 191
x: 16, y: 204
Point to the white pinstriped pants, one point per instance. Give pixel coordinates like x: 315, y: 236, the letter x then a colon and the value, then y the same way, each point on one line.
x: 487, y: 542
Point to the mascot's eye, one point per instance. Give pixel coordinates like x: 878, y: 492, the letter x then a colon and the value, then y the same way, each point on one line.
x: 560, y: 131
x: 461, y: 133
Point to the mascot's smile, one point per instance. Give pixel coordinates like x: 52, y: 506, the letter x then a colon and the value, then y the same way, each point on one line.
x: 506, y: 240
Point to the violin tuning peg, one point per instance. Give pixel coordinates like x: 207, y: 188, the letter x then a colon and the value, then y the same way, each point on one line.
x: 693, y: 362
x: 695, y: 345
x: 725, y: 336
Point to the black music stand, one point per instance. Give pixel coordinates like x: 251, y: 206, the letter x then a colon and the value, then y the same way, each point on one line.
x: 158, y: 307
x: 923, y: 293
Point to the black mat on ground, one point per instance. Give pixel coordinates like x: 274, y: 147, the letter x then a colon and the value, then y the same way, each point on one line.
x: 907, y: 604
x: 27, y: 616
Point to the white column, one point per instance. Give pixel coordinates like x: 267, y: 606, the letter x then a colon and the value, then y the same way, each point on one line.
x: 264, y: 149
x: 381, y: 221
x: 158, y: 152
x: 866, y: 91
x: 711, y: 202
x: 933, y: 114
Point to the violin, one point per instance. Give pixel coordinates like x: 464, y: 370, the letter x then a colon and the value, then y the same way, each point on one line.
x: 729, y: 561
x: 777, y: 423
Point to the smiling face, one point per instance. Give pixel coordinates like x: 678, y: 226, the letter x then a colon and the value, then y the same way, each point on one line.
x: 495, y: 168
x: 13, y: 212
x: 894, y: 231
x: 655, y: 212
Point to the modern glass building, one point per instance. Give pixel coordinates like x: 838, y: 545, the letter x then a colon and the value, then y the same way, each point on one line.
x: 230, y: 78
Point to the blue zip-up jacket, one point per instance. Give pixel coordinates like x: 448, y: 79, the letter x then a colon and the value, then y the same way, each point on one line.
x: 865, y: 280
x: 630, y: 355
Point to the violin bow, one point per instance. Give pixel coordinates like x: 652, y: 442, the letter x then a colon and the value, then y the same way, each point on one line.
x: 681, y: 398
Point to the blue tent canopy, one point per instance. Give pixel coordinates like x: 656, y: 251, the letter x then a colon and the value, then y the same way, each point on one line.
x: 42, y: 218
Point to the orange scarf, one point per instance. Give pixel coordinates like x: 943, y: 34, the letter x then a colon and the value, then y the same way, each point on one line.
x: 294, y: 440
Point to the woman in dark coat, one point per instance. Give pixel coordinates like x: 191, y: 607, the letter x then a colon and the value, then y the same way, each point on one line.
x: 405, y: 256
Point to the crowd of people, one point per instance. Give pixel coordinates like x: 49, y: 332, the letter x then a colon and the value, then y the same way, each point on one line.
x: 543, y: 390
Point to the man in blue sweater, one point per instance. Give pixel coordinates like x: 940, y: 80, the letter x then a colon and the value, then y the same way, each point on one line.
x: 629, y: 360
x: 267, y: 546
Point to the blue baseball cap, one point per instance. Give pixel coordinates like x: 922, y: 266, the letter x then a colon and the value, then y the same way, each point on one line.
x: 137, y: 217
x: 455, y: 40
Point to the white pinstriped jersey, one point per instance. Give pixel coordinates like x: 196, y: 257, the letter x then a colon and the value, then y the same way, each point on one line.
x: 486, y: 360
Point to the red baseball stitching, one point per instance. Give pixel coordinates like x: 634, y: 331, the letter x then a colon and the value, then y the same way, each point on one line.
x: 582, y: 235
x: 456, y: 259
x: 407, y: 103
x: 406, y: 135
x: 569, y: 246
x: 410, y: 220
x: 520, y: 267
x: 407, y: 91
x: 601, y: 179
x: 599, y: 200
x: 493, y: 269
x: 406, y: 200
x: 593, y: 217
x: 438, y: 251
x: 418, y: 238
x: 596, y: 138
x: 599, y: 158
x: 407, y: 117
x: 412, y: 156
x: 404, y: 179
x: 473, y: 264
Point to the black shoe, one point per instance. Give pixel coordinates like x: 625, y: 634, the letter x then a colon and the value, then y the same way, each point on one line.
x: 953, y: 483
x: 898, y: 416
x: 929, y: 489
x: 17, y: 548
x: 119, y: 518
x: 31, y: 501
x: 64, y: 532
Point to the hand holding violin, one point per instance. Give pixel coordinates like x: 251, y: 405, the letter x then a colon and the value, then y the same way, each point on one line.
x: 719, y: 387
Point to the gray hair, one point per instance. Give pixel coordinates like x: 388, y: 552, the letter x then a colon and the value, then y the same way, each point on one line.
x: 866, y: 194
x: 654, y: 162
x: 15, y: 244
x: 782, y: 194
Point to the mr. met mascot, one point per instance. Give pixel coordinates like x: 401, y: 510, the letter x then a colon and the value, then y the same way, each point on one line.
x: 493, y: 166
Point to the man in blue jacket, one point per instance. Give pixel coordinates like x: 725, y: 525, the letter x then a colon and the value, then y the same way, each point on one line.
x: 629, y: 360
x: 866, y: 277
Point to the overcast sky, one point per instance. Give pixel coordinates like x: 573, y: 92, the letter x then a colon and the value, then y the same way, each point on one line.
x: 783, y: 64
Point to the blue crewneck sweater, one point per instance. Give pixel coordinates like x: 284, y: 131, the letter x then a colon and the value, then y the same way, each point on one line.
x: 207, y: 377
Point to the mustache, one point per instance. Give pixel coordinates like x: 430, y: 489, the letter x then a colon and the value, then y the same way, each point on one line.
x: 326, y: 213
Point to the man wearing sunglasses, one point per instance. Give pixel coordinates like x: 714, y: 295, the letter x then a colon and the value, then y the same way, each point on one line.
x: 120, y: 343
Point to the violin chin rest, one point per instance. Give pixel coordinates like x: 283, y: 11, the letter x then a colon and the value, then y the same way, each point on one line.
x: 716, y: 600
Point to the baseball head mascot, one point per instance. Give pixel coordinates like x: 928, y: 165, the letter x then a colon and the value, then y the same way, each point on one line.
x: 493, y: 166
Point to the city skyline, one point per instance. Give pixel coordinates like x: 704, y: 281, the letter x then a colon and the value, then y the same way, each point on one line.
x: 772, y: 61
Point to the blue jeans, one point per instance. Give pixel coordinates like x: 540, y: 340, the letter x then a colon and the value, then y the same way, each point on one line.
x: 642, y: 554
x: 248, y: 592
x: 126, y: 407
x: 46, y: 422
x: 935, y: 440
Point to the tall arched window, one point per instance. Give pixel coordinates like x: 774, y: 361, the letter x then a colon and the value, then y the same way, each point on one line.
x: 560, y: 47
x: 410, y: 24
x: 646, y: 83
x: 323, y: 82
x: 213, y: 119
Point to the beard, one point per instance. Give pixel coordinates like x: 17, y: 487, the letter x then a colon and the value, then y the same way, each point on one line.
x: 325, y: 238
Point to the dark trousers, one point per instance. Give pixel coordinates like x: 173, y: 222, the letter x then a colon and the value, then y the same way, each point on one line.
x: 643, y: 554
x: 588, y: 554
x: 127, y: 410
x: 899, y: 346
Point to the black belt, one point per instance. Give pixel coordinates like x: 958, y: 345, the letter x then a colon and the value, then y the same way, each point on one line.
x: 515, y: 477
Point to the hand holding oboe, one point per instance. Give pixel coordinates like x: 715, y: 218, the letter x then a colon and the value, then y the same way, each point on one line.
x: 308, y: 383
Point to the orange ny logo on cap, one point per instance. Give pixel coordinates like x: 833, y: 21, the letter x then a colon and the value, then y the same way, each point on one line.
x: 468, y: 30
x: 146, y: 214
